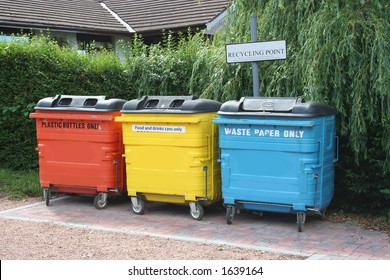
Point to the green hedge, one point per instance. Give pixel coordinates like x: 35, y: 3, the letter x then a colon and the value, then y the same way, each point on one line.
x: 338, y: 53
x: 30, y: 71
x: 37, y: 69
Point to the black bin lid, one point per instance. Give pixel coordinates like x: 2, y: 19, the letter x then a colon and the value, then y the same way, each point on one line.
x: 275, y: 106
x: 80, y: 103
x: 170, y: 105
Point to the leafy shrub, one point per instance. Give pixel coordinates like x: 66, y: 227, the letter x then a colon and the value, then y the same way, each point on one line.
x: 338, y: 53
x: 40, y: 68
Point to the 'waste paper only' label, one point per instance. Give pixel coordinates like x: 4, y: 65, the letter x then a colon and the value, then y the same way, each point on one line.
x: 158, y: 128
x: 276, y: 133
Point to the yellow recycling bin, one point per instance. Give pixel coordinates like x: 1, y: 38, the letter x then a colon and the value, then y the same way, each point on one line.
x: 171, y: 151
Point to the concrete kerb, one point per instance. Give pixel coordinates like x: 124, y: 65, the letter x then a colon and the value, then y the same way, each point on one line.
x: 217, y: 239
x: 3, y: 215
x: 164, y: 236
x: 30, y: 205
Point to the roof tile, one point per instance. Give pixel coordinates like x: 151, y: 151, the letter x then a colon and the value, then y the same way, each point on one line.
x: 85, y: 15
x: 89, y: 15
x: 154, y: 15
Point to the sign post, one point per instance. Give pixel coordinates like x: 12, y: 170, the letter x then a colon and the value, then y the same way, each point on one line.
x: 254, y: 52
x: 255, y: 66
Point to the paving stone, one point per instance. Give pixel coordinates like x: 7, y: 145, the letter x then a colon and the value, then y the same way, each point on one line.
x: 273, y: 232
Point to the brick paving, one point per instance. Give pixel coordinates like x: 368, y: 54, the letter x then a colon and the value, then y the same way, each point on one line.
x: 273, y: 232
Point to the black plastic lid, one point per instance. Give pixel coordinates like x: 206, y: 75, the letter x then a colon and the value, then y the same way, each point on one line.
x: 275, y: 106
x: 170, y: 105
x: 80, y: 103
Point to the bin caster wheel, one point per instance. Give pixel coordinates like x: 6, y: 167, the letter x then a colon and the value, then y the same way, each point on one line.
x: 230, y: 211
x: 196, y: 211
x: 100, y: 201
x: 47, y: 195
x: 323, y: 214
x: 138, y: 205
x: 301, y: 217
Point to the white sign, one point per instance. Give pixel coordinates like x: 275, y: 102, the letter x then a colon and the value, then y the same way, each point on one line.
x: 276, y: 133
x: 256, y: 51
x: 158, y: 128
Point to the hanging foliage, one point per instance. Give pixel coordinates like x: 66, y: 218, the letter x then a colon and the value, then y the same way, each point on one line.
x: 338, y: 53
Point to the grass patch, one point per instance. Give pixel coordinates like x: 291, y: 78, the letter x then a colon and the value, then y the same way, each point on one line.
x: 19, y: 184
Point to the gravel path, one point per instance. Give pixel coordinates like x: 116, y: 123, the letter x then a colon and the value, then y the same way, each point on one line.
x: 22, y: 240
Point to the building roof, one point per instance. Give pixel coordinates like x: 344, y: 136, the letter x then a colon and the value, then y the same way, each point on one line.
x: 141, y: 16
x: 84, y: 15
x: 155, y: 15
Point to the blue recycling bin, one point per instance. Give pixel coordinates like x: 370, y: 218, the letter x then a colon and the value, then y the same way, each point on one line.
x: 277, y: 155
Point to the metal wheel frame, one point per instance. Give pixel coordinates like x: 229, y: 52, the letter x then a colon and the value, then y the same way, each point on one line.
x: 323, y: 214
x: 100, y: 201
x: 301, y: 218
x: 137, y: 205
x: 230, y: 212
x: 47, y: 195
x: 196, y: 211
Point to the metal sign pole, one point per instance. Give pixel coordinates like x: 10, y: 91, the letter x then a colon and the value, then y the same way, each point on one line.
x: 255, y: 66
x: 254, y: 52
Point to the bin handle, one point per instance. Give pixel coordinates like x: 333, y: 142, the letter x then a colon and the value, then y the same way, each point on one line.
x: 337, y: 150
x: 321, y: 154
x: 321, y: 158
x: 265, y: 122
x: 208, y: 157
x: 161, y: 119
x: 71, y: 117
x: 40, y: 150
